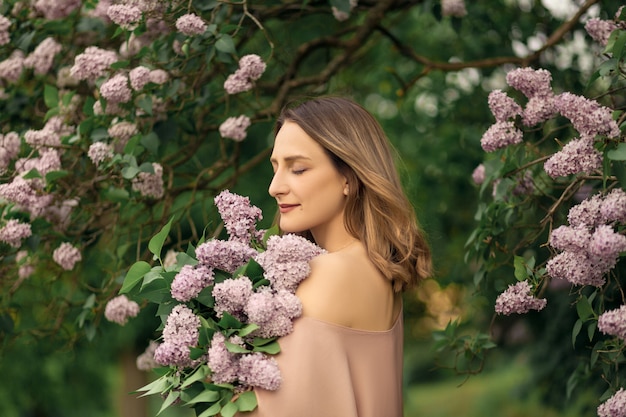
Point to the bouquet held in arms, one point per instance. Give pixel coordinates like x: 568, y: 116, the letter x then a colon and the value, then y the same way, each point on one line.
x: 223, y: 305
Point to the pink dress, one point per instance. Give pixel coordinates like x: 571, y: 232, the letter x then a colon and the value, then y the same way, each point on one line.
x: 334, y: 371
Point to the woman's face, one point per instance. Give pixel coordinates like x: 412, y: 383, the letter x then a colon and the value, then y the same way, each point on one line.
x: 310, y: 191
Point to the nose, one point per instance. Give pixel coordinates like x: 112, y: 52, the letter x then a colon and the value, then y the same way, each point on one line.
x: 278, y: 185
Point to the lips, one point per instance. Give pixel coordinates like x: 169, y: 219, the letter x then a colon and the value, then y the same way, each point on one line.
x: 285, y: 208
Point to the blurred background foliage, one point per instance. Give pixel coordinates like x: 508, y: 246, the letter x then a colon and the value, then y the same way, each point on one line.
x: 426, y: 77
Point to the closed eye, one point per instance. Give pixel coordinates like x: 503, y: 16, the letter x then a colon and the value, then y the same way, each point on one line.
x: 298, y: 171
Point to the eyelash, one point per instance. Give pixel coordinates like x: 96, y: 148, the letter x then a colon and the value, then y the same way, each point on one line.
x: 298, y: 171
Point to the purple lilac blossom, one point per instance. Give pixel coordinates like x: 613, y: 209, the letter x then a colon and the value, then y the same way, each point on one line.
x: 190, y: 24
x: 239, y: 216
x: 123, y: 130
x: 127, y: 17
x: 139, y: 77
x: 615, y: 406
x: 478, y: 175
x: 14, y: 232
x: 116, y: 90
x: 179, y: 334
x: 532, y: 83
x: 600, y: 30
x: 100, y: 152
x: 273, y: 312
x: 259, y: 370
x: 48, y: 161
x: 570, y: 238
x: 607, y: 244
x: 190, y: 280
x: 236, y: 83
x: 578, y: 155
x: 224, y: 255
x: 588, y: 117
x: 539, y: 109
x: 66, y: 256
x: 587, y: 213
x: 5, y: 24
x: 232, y: 295
x: 454, y: 8
x: 577, y: 268
x: 235, y: 128
x: 94, y: 62
x: 56, y: 9
x: 502, y: 106
x: 518, y: 299
x: 251, y: 67
x: 40, y: 60
x: 145, y: 361
x: 11, y: 68
x: 20, y: 192
x: 158, y: 76
x: 613, y: 322
x: 25, y: 266
x: 500, y: 135
x: 150, y: 184
x: 224, y: 364
x: 613, y: 206
x: 120, y: 309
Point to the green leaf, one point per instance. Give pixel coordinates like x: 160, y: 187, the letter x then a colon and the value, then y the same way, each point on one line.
x: 211, y: 411
x: 576, y: 330
x: 229, y: 322
x: 247, y: 401
x: 156, y: 387
x: 120, y: 64
x: 231, y: 347
x: 591, y: 330
x: 229, y: 410
x: 198, y: 375
x: 151, y: 142
x: 116, y: 195
x: 130, y: 172
x: 520, y: 268
x: 618, y: 154
x: 156, y: 243
x: 272, y: 348
x: 145, y: 103
x: 583, y: 308
x: 51, y: 96
x: 247, y: 330
x: 225, y: 44
x: 55, y: 175
x: 171, y: 398
x: 134, y: 275
x: 206, y: 396
x: 33, y: 173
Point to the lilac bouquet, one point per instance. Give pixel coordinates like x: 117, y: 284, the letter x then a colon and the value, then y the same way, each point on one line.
x: 223, y: 305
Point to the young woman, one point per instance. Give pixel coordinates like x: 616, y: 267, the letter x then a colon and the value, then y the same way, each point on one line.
x: 336, y: 183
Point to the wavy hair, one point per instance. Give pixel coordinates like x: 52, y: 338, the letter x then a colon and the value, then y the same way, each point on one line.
x: 377, y: 210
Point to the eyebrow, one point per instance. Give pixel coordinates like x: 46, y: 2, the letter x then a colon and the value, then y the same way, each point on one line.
x: 290, y: 158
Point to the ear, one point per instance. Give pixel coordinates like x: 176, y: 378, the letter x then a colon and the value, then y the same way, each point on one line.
x: 346, y: 187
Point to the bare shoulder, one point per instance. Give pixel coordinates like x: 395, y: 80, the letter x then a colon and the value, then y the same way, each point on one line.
x: 346, y: 289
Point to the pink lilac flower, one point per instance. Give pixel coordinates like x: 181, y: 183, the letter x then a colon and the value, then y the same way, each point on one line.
x: 500, y: 135
x: 578, y: 155
x: 26, y: 268
x: 613, y: 322
x: 587, y: 212
x: 613, y: 207
x: 59, y: 213
x: 259, y: 370
x: 49, y: 135
x: 127, y: 17
x: 56, y: 9
x: 120, y: 309
x: 570, y: 238
x: 66, y: 256
x: 532, y: 83
x: 40, y: 60
x: 14, y: 232
x: 478, y: 175
x: 588, y: 117
x: 273, y: 312
x: 232, y: 295
x: 9, y: 149
x: 139, y: 77
x: 239, y: 216
x: 189, y: 281
x: 454, y: 8
x: 539, y: 109
x: 518, y: 299
x: 615, y: 406
x: 5, y: 24
x: 224, y: 365
x: 150, y: 184
x: 607, y: 244
x: 11, y: 68
x: 100, y: 11
x: 179, y: 334
x: 224, y: 255
x: 123, y: 130
x: 577, y: 268
x: 235, y: 128
x: 99, y: 152
x: 190, y: 24
x: 116, y: 90
x: 502, y: 106
x: 20, y: 192
x: 158, y: 76
x: 49, y: 161
x: 251, y: 67
x: 94, y: 62
x: 600, y: 30
x: 145, y: 361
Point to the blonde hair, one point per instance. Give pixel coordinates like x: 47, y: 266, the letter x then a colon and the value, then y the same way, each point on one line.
x: 377, y: 211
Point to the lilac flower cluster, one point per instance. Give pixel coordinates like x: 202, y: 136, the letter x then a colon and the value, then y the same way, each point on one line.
x: 518, y: 299
x: 600, y: 30
x: 56, y: 9
x: 273, y: 311
x: 615, y: 406
x: 5, y: 24
x: 99, y: 152
x: 478, y: 175
x: 9, y: 149
x: 613, y: 322
x: 116, y: 90
x: 150, y: 184
x: 578, y: 155
x: 41, y: 59
x: 590, y: 247
x: 14, y: 232
x: 239, y: 216
x: 454, y: 8
x: 179, y: 335
x: 226, y: 255
x: 235, y: 128
x: 12, y: 67
x: 66, y: 256
x: 94, y: 62
x: 126, y: 16
x: 145, y: 361
x: 588, y: 117
x: 190, y: 24
x: 120, y: 309
x: 251, y: 67
x: 190, y: 280
x: 25, y: 266
x: 232, y: 295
